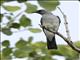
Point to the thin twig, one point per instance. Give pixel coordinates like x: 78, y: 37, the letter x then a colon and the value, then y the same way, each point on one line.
x: 65, y: 39
x: 68, y: 39
x: 70, y: 43
x: 66, y: 24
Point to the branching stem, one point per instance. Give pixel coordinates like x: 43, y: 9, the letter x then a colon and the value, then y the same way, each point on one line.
x: 70, y: 43
x: 68, y: 39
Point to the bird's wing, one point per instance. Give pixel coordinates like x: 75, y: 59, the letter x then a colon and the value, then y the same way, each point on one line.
x: 48, y: 34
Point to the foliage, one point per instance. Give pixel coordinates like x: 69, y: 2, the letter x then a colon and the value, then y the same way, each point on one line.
x: 30, y: 8
x: 20, y: 1
x: 6, y: 31
x: 6, y: 43
x: 37, y: 50
x: 1, y: 15
x: 26, y: 48
x: 15, y: 25
x: 34, y: 30
x: 11, y: 8
x: 24, y: 21
x: 49, y: 5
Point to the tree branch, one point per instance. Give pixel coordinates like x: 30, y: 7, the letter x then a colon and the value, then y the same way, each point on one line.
x: 68, y: 39
x: 70, y: 43
x: 66, y: 24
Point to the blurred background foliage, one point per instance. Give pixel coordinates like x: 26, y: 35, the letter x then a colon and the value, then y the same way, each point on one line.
x: 26, y: 48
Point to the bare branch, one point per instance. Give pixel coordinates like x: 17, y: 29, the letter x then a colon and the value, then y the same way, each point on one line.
x: 70, y: 43
x: 66, y: 24
x: 68, y: 39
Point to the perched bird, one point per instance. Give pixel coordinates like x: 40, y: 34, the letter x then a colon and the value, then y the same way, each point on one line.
x: 52, y: 23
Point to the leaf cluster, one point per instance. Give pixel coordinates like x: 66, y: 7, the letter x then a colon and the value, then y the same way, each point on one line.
x: 36, y: 51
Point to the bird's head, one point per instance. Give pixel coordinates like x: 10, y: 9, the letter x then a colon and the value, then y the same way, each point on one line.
x: 40, y: 12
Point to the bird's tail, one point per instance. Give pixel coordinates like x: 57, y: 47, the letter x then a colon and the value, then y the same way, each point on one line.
x: 51, y: 44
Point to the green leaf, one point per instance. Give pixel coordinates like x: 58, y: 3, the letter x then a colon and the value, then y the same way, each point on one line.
x: 34, y: 30
x: 1, y: 15
x: 23, y: 52
x: 77, y: 44
x: 32, y: 54
x: 6, y: 51
x: 20, y: 1
x: 39, y: 45
x: 15, y: 25
x: 9, y: 18
x: 0, y: 55
x: 30, y: 39
x: 49, y: 5
x: 6, y: 31
x: 24, y: 21
x: 70, y: 54
x: 11, y: 8
x: 3, y: 57
x: 31, y: 8
x: 6, y: 43
x: 21, y: 43
x: 6, y: 58
x: 54, y: 52
x: 46, y: 57
x: 1, y: 1
x: 20, y: 53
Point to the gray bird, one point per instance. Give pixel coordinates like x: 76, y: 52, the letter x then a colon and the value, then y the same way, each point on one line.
x: 52, y: 23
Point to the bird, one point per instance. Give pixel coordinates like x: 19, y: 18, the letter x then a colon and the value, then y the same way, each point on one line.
x: 51, y: 22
